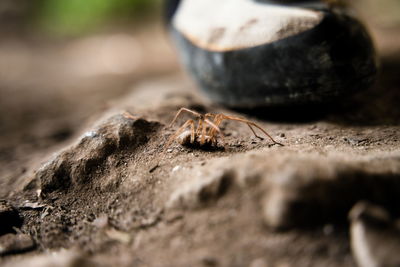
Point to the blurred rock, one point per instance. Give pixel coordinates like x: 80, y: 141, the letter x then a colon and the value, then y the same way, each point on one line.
x: 309, y: 192
x: 15, y: 243
x: 375, y: 237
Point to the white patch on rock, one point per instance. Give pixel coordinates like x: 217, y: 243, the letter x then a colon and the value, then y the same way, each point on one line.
x: 230, y: 25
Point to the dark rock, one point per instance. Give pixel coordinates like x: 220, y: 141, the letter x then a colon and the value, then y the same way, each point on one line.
x: 15, y: 243
x: 315, y: 54
x: 9, y: 218
x: 375, y: 237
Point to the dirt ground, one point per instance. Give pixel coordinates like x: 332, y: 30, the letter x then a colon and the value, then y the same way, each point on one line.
x: 89, y: 185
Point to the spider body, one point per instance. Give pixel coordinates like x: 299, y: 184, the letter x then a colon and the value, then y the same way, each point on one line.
x: 185, y: 139
x: 205, y: 131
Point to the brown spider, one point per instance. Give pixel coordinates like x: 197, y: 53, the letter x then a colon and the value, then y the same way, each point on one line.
x: 207, y: 129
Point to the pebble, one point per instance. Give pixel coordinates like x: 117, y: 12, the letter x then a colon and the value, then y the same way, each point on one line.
x: 176, y: 168
x: 276, y: 209
x: 119, y: 236
x: 375, y: 237
x: 101, y: 221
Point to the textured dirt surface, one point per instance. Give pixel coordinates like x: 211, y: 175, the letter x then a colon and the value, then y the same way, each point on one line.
x: 94, y: 186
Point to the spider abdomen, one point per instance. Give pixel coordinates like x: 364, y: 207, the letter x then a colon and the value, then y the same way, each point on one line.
x: 185, y: 139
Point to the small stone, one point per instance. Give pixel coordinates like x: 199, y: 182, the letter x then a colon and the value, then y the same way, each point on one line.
x: 32, y: 205
x: 176, y: 168
x: 15, y: 243
x: 119, y: 236
x: 375, y: 237
x: 276, y: 209
x: 101, y: 221
x: 155, y: 167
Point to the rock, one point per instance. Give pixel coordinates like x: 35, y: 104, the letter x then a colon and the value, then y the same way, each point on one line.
x: 15, y: 243
x: 375, y: 237
x: 9, y: 218
x: 245, y: 54
x: 122, y: 237
x: 76, y: 164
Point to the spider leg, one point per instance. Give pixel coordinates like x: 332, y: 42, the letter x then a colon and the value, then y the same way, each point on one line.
x: 214, y: 128
x: 179, y: 131
x: 180, y: 111
x: 209, y: 115
x: 192, y: 132
x: 212, y: 125
x: 250, y: 123
x: 199, y: 127
x: 203, y: 134
x: 254, y: 132
x: 217, y: 121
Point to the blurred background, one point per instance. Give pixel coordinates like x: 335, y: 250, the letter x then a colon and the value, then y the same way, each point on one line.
x: 61, y: 64
x: 61, y: 61
x: 64, y: 60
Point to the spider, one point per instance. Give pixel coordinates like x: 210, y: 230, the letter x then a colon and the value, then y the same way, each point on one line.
x: 205, y: 134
